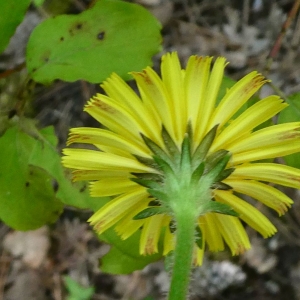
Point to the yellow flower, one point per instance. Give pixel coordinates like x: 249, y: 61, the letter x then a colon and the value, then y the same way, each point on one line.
x: 158, y: 151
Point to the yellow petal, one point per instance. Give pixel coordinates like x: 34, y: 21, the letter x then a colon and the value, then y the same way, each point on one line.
x: 150, y: 234
x: 258, y: 113
x: 173, y: 81
x: 268, y: 137
x: 97, y: 174
x: 283, y: 149
x: 233, y: 233
x: 127, y: 229
x: 116, y: 88
x: 205, y: 112
x: 266, y: 194
x: 236, y: 97
x: 276, y: 173
x: 116, y: 209
x: 155, y: 96
x: 112, y: 186
x: 249, y: 214
x: 84, y: 159
x: 211, y: 232
x: 198, y: 255
x: 115, y: 117
x: 103, y: 137
x: 128, y: 226
x: 114, y: 150
x: 195, y: 84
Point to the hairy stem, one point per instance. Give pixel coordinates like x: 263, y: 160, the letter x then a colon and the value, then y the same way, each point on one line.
x: 183, y: 255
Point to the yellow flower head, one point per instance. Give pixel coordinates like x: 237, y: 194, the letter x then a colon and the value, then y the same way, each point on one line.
x: 174, y: 147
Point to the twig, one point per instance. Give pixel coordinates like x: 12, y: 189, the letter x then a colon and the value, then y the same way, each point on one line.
x: 11, y: 71
x: 5, y: 262
x: 274, y: 51
x: 246, y: 12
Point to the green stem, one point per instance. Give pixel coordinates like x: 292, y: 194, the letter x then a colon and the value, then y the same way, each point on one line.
x: 183, y: 254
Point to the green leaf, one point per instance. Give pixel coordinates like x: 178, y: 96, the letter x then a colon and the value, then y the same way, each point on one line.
x: 76, y: 194
x: 77, y: 291
x: 112, y: 36
x: 44, y: 154
x: 27, y: 192
x: 33, y: 183
x: 124, y: 257
x: 12, y: 14
x: 291, y: 114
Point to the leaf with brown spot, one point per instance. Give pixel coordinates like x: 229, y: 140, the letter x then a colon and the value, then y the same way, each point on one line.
x: 33, y: 185
x: 112, y: 36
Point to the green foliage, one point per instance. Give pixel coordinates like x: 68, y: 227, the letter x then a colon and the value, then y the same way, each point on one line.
x: 113, y: 36
x: 291, y: 114
x: 33, y: 186
x: 27, y: 191
x: 124, y: 257
x: 77, y: 291
x: 12, y: 14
